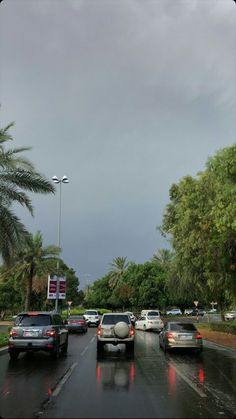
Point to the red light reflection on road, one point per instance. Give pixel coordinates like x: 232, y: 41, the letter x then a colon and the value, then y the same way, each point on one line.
x: 98, y: 373
x: 49, y: 392
x: 132, y: 372
x: 171, y: 379
x: 201, y: 376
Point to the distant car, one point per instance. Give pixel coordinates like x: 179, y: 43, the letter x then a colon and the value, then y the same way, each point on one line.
x: 38, y: 331
x: 188, y: 311
x: 230, y: 315
x: 131, y: 315
x: 77, y: 324
x: 115, y: 328
x: 180, y: 335
x: 92, y: 317
x: 150, y: 321
x: 212, y: 311
x: 174, y: 312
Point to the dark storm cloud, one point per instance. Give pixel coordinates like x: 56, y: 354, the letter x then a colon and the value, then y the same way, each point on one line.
x: 124, y: 97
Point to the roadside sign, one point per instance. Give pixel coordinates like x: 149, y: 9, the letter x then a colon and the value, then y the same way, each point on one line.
x: 196, y: 303
x: 69, y: 303
x: 53, y: 280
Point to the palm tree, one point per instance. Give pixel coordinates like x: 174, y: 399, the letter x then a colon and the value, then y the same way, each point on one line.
x: 17, y: 175
x: 118, y: 268
x: 33, y: 261
x: 163, y: 257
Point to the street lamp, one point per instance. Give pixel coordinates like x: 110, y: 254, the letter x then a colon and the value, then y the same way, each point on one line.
x: 55, y: 179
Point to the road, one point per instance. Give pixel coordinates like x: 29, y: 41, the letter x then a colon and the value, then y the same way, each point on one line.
x: 178, y: 385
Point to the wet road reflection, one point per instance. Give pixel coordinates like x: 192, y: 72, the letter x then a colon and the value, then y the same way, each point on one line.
x: 149, y: 384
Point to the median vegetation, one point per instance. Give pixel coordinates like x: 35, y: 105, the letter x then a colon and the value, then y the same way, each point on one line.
x: 225, y: 327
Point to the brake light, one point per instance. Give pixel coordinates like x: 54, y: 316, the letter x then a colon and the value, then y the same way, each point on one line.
x: 132, y: 331
x: 99, y: 331
x: 50, y: 333
x: 199, y: 336
x: 169, y: 336
x: 13, y: 333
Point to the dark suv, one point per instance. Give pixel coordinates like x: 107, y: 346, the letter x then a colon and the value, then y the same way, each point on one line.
x: 38, y: 331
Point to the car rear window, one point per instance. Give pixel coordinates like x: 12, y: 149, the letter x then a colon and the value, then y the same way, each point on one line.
x: 33, y: 320
x: 183, y: 327
x: 91, y: 313
x: 153, y: 314
x: 76, y: 318
x: 114, y: 318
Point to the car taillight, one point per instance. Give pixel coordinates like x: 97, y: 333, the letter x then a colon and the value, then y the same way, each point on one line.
x: 99, y: 331
x: 132, y: 331
x: 81, y: 322
x: 169, y: 336
x: 50, y: 333
x: 199, y: 336
x: 13, y: 333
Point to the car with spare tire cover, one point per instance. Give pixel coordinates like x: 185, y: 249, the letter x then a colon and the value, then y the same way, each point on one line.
x: 115, y: 328
x: 38, y: 331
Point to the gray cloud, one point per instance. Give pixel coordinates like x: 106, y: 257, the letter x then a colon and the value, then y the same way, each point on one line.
x: 122, y: 97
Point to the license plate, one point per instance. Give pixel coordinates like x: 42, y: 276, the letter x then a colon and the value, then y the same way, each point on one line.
x: 30, y: 334
x: 184, y: 337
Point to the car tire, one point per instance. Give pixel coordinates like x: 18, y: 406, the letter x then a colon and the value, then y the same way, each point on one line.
x: 14, y: 355
x: 99, y: 349
x: 55, y: 353
x: 130, y: 347
x: 65, y: 348
x: 121, y: 330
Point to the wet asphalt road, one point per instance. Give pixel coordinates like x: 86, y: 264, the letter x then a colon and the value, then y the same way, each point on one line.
x: 178, y: 385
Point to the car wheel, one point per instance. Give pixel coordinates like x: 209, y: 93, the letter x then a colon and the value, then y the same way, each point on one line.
x: 65, y: 347
x: 13, y: 355
x: 99, y: 349
x: 56, y: 351
x: 130, y: 347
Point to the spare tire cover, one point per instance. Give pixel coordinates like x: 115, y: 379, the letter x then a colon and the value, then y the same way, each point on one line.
x: 121, y: 330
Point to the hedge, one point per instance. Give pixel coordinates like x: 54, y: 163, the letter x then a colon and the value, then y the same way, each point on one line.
x: 226, y: 327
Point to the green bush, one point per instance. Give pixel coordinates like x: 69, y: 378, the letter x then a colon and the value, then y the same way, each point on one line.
x: 226, y: 327
x: 3, y: 339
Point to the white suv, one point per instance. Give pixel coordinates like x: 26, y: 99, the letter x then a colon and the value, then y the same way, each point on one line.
x: 115, y: 328
x: 92, y: 317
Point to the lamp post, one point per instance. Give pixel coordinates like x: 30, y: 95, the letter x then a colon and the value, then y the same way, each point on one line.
x: 55, y: 179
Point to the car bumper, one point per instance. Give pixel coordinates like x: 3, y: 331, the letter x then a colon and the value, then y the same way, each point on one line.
x: 114, y: 341
x: 76, y: 328
x: 23, y: 345
x: 190, y: 345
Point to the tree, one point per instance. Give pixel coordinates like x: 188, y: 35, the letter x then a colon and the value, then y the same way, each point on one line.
x: 201, y: 220
x: 17, y: 175
x: 118, y: 268
x: 33, y: 261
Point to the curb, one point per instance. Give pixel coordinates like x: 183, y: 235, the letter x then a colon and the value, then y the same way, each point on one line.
x: 3, y: 350
x: 228, y: 348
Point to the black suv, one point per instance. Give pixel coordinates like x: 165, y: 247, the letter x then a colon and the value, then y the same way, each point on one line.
x: 38, y: 331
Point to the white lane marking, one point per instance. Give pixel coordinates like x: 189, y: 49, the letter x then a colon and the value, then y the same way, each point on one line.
x: 93, y: 339
x: 186, y: 379
x: 85, y: 349
x: 64, y: 380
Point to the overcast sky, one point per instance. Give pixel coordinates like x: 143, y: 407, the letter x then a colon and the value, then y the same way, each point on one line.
x: 124, y: 97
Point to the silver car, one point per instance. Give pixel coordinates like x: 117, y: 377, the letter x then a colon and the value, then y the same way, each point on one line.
x: 38, y: 331
x: 180, y: 335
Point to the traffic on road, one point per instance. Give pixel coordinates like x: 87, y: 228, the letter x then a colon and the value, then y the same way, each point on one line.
x: 150, y: 383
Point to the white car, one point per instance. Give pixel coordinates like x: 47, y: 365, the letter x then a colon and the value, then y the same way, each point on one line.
x: 174, y: 312
x: 230, y: 315
x: 92, y: 317
x: 150, y: 321
x: 131, y: 315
